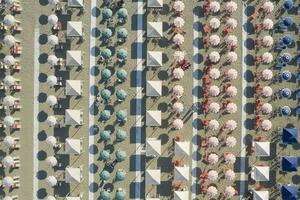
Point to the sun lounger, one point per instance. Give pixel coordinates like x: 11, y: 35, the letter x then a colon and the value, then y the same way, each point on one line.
x: 17, y: 87
x: 16, y: 126
x: 280, y: 65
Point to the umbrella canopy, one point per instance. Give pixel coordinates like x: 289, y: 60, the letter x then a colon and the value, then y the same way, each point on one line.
x: 285, y: 110
x: 214, y: 6
x: 107, y: 33
x: 120, y: 194
x: 229, y: 175
x: 212, y: 175
x: 104, y: 195
x: 105, y: 135
x: 231, y: 141
x: 106, y: 53
x: 230, y: 159
x: 105, y: 94
x: 179, y: 56
x: 268, y: 24
x: 268, y: 7
x: 286, y: 93
x: 122, y: 13
x: 267, y: 108
x: 288, y: 4
x: 104, y: 175
x: 122, y: 33
x: 8, y: 161
x: 122, y: 54
x: 51, y: 181
x: 231, y: 40
x: 266, y: 125
x: 289, y: 163
x: 214, y: 90
x: 52, y: 19
x: 122, y: 74
x: 229, y: 192
x: 105, y: 74
x: 232, y: 23
x: 8, y: 121
x: 213, y: 142
x: 289, y: 135
x: 105, y: 115
x: 52, y: 60
x: 178, y: 107
x: 51, y: 80
x: 267, y: 91
x: 178, y: 90
x: 214, y: 73
x: 9, y: 60
x: 51, y: 100
x: 267, y: 74
x: 231, y: 125
x: 53, y: 2
x: 51, y: 161
x: 9, y: 40
x: 214, y: 23
x: 214, y: 57
x: 267, y: 41
x: 9, y: 101
x: 121, y: 94
x: 120, y: 175
x: 267, y: 58
x: 7, y: 181
x: 107, y: 13
x: 287, y: 21
x: 52, y: 40
x: 230, y: 6
x: 178, y: 39
x: 214, y: 40
x: 231, y: 57
x: 122, y: 115
x: 179, y: 22
x: 178, y: 6
x: 177, y: 124
x: 9, y: 20
x: 51, y: 198
x: 213, y: 158
x: 231, y: 108
x: 120, y: 155
x: 231, y: 91
x: 213, y: 125
x: 211, y: 192
x: 121, y: 135
x: 178, y: 73
x: 214, y: 107
x: 286, y: 58
x: 289, y: 192
x: 51, y: 141
x: 287, y: 40
x: 8, y: 141
x: 231, y: 74
x: 104, y: 155
x: 51, y: 120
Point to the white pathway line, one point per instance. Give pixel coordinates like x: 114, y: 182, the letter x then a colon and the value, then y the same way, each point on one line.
x: 244, y: 101
x: 36, y: 89
x: 91, y: 94
x: 195, y: 100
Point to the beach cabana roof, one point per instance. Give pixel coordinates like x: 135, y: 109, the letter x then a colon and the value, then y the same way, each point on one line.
x: 152, y: 177
x: 75, y: 3
x: 262, y: 148
x: 73, y: 175
x: 153, y: 118
x: 153, y: 147
x: 73, y: 198
x: 289, y: 163
x: 182, y: 173
x: 153, y: 88
x: 182, y: 148
x: 181, y: 195
x: 289, y: 135
x: 73, y: 117
x: 260, y: 173
x: 73, y: 58
x: 289, y: 192
x: 154, y: 29
x: 74, y: 29
x: 73, y: 146
x: 260, y: 195
x: 154, y: 3
x: 154, y: 58
x: 73, y: 88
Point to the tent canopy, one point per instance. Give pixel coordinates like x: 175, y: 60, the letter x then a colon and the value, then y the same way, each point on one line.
x: 73, y: 175
x: 154, y: 29
x: 289, y: 135
x: 74, y: 29
x: 73, y: 117
x: 153, y: 88
x: 152, y: 176
x: 153, y: 118
x: 73, y: 88
x: 182, y: 173
x: 182, y: 148
x: 260, y: 173
x: 262, y: 148
x: 260, y: 195
x: 73, y: 146
x: 155, y: 3
x: 289, y: 163
x: 73, y: 58
x: 181, y: 195
x: 154, y: 58
x: 289, y: 192
x: 75, y: 3
x: 153, y: 147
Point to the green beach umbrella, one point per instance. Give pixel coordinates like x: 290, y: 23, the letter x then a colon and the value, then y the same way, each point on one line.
x: 105, y: 135
x: 104, y: 175
x: 120, y: 155
x: 105, y: 94
x: 122, y: 115
x: 122, y: 13
x: 104, y: 155
x: 122, y: 74
x: 120, y: 194
x: 105, y: 74
x: 107, y: 33
x: 121, y: 95
x: 106, y: 53
x: 121, y: 135
x: 104, y: 195
x: 122, y: 33
x: 105, y: 115
x: 107, y: 13
x: 122, y: 54
x: 120, y: 175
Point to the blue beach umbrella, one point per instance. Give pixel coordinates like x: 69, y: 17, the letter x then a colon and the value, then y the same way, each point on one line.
x: 286, y: 57
x: 120, y: 175
x: 122, y: 74
x: 107, y: 33
x: 122, y: 115
x: 104, y: 155
x: 286, y: 75
x: 290, y: 135
x: 105, y: 135
x: 105, y: 94
x: 104, y: 175
x: 122, y: 13
x: 122, y: 54
x: 288, y: 21
x: 288, y: 4
x: 285, y: 110
x: 122, y: 33
x: 120, y: 155
x: 286, y: 93
x: 104, y: 195
x: 289, y: 163
x: 121, y: 135
x: 105, y: 115
x: 121, y: 95
x: 105, y: 74
x: 287, y: 40
x: 120, y: 194
x: 289, y: 192
x: 107, y: 13
x: 106, y: 53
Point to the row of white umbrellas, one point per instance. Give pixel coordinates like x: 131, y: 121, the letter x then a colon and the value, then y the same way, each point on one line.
x: 231, y: 74
x: 229, y: 125
x: 214, y: 141
x: 230, y: 6
x: 230, y: 40
x: 215, y: 57
x: 215, y: 23
x: 214, y: 91
x: 213, y: 175
x: 229, y: 158
x: 215, y: 107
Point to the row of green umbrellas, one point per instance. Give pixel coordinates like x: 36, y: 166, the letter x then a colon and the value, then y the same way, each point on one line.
x: 106, y: 94
x: 120, y: 155
x: 120, y: 175
x: 120, y: 195
x: 107, y: 13
x: 120, y: 136
x: 106, y: 74
x: 121, y: 54
x: 106, y: 114
x: 121, y: 33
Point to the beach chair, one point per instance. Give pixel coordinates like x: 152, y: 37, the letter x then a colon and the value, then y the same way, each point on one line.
x: 280, y: 65
x: 280, y: 45
x: 298, y: 94
x: 297, y: 110
x: 281, y: 26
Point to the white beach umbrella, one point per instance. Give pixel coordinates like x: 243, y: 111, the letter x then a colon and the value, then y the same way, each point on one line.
x: 51, y: 80
x: 229, y: 192
x: 51, y: 120
x: 51, y: 141
x: 266, y: 108
x: 231, y: 40
x: 231, y: 91
x: 231, y: 108
x: 51, y: 181
x: 8, y: 181
x: 268, y: 7
x: 214, y: 40
x: 267, y: 41
x: 266, y: 125
x: 267, y: 74
x: 178, y: 107
x: 9, y: 60
x: 230, y: 159
x: 179, y: 22
x: 9, y: 2
x: 231, y: 57
x: 51, y: 100
x: 230, y: 125
x: 178, y: 6
x: 229, y: 175
x: 9, y: 40
x: 267, y: 91
x: 52, y: 40
x: 178, y: 124
x: 51, y: 161
x: 214, y: 56
x: 232, y: 74
x: 52, y: 19
x: 214, y: 6
x: 214, y: 23
x: 9, y: 20
x: 7, y: 198
x: 178, y: 73
x: 230, y: 141
x: 268, y: 24
x: 267, y: 58
x: 178, y: 90
x: 179, y: 56
x: 8, y: 161
x: 230, y: 6
x: 52, y: 60
x: 9, y: 80
x: 211, y: 192
x: 51, y: 198
x: 213, y: 125
x: 232, y: 23
x: 214, y: 90
x: 8, y: 121
x: 214, y: 107
x: 9, y: 101
x: 212, y: 175
x: 178, y: 39
x: 8, y: 141
x: 214, y: 73
x: 213, y: 142
x: 213, y: 158
x: 53, y: 2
